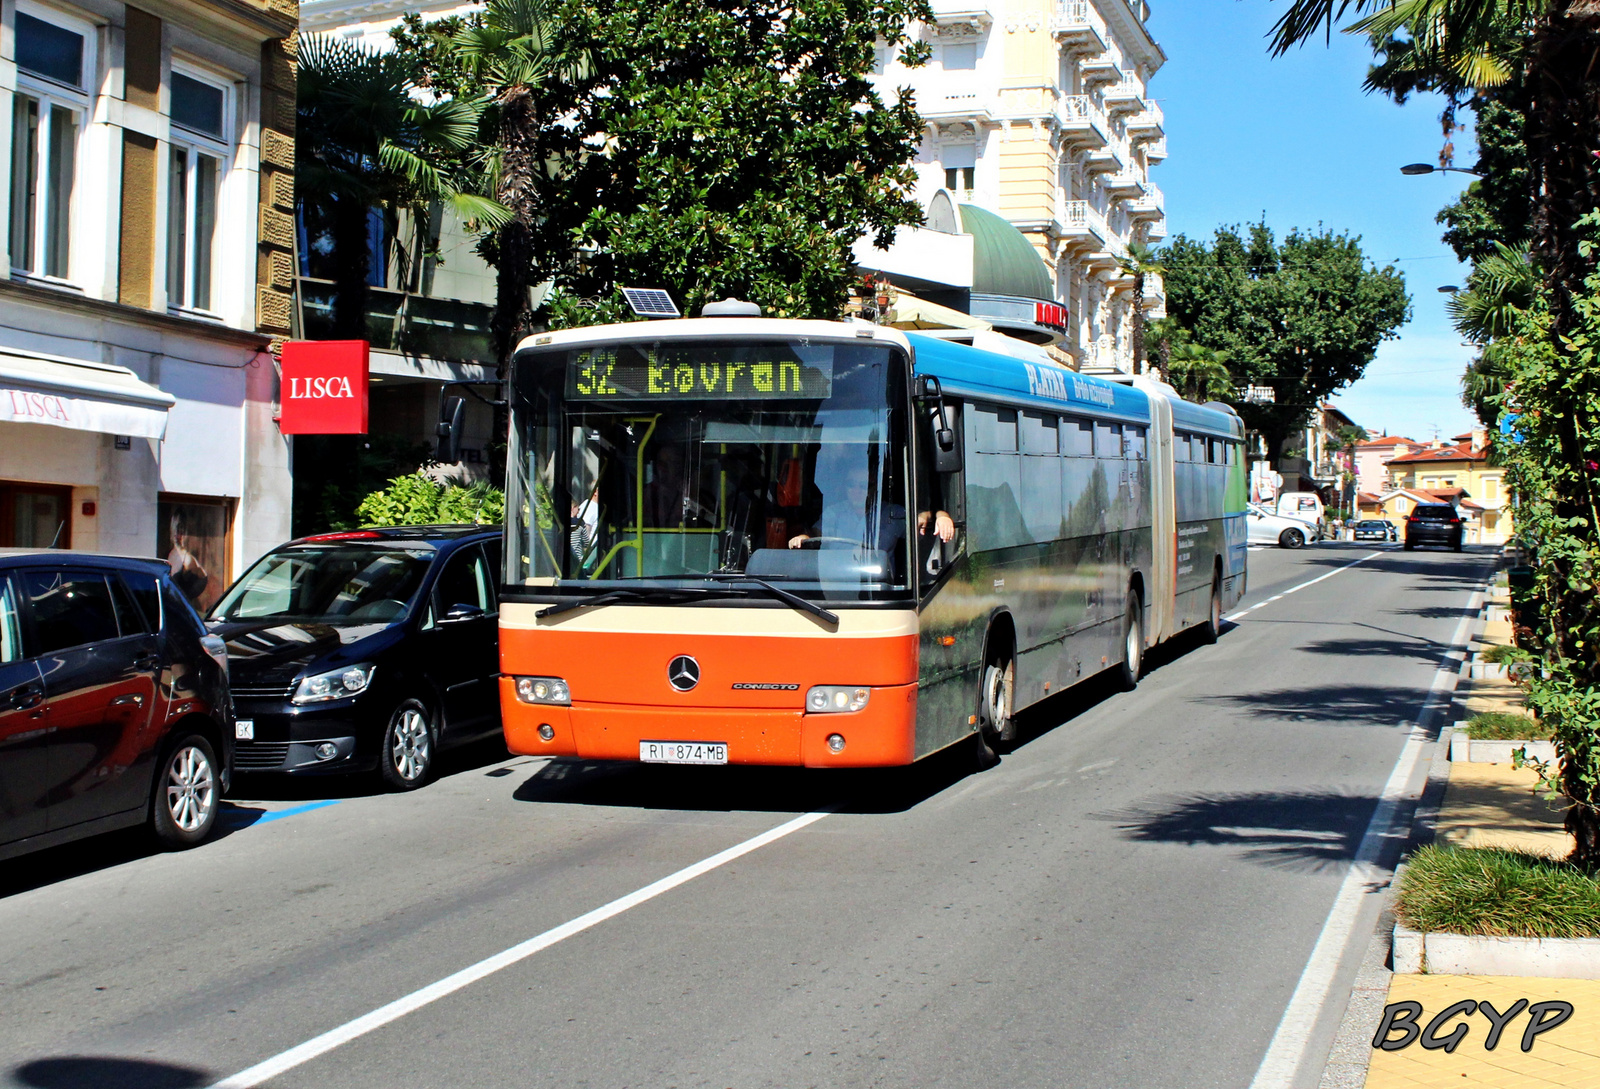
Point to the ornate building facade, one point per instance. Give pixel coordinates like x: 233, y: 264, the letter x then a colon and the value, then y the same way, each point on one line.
x: 1039, y: 111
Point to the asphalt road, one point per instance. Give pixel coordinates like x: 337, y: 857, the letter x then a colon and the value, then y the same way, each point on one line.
x: 1128, y: 899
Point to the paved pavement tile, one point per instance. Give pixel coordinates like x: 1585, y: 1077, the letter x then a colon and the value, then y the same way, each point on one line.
x: 1494, y: 805
x: 1567, y: 1056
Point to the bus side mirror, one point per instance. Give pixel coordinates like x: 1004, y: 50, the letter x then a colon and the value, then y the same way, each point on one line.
x: 451, y: 412
x: 946, y: 455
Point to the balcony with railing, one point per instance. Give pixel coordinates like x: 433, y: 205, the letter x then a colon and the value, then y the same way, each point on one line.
x: 1124, y: 97
x: 1100, y: 69
x: 1151, y: 203
x: 1078, y: 27
x: 1105, y: 160
x: 974, y: 14
x: 1123, y: 185
x: 1149, y: 123
x: 1082, y: 123
x: 1156, y: 150
x: 1080, y: 225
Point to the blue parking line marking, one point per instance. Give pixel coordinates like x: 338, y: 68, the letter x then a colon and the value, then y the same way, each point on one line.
x: 248, y: 818
x: 278, y: 815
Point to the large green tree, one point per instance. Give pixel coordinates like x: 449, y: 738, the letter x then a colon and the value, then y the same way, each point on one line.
x: 732, y: 147
x: 1302, y: 317
x: 1551, y: 358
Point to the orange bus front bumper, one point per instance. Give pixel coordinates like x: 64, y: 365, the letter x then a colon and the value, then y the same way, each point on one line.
x: 881, y: 734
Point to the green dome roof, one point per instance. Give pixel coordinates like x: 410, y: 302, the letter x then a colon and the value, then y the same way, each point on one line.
x: 1004, y: 262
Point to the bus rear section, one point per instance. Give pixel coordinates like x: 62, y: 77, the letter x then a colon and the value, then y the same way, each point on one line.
x: 665, y: 684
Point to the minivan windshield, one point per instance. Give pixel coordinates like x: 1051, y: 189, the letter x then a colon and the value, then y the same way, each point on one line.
x: 332, y: 584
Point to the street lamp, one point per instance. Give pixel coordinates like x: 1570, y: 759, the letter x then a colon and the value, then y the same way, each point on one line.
x: 1429, y: 168
x: 1449, y: 289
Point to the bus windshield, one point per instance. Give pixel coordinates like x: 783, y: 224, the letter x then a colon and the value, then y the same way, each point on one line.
x: 682, y: 462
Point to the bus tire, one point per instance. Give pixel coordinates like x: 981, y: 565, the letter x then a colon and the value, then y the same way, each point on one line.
x: 997, y: 717
x: 1291, y: 538
x: 1132, y: 663
x: 1211, y: 630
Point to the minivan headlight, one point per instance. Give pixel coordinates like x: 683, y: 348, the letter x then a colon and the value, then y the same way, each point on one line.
x: 336, y: 684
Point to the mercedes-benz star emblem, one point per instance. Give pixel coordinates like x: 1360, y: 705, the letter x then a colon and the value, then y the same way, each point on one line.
x: 683, y: 673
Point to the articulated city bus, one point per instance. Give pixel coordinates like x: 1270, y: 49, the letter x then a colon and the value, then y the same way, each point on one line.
x: 762, y: 541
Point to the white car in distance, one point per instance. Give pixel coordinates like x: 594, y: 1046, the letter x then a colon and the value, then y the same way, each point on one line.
x: 1263, y: 527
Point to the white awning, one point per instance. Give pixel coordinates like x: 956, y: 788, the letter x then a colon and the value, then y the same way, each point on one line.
x: 84, y: 396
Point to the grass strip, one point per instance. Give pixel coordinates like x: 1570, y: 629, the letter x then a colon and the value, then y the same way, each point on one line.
x: 1505, y: 726
x: 1467, y: 890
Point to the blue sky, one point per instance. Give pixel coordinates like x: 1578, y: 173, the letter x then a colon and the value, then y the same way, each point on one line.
x: 1295, y: 138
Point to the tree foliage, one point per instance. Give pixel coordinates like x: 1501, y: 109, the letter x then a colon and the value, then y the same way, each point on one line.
x: 1303, y: 317
x: 367, y: 142
x: 711, y: 149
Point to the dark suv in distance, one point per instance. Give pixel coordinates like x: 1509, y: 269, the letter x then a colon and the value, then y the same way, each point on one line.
x: 114, y: 707
x: 1433, y: 523
x: 365, y: 650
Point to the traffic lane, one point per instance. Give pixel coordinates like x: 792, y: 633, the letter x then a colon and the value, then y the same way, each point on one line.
x: 274, y: 933
x: 1120, y: 902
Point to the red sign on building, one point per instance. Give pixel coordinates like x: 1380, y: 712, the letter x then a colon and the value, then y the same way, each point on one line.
x: 324, y: 388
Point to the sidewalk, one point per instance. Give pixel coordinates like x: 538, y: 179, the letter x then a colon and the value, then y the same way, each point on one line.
x: 1567, y: 1056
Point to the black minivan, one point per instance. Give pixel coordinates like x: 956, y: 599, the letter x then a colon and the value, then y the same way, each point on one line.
x: 114, y: 707
x: 1434, y: 523
x: 371, y: 649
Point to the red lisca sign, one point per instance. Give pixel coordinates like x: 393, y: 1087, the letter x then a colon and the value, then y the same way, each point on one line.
x: 324, y: 388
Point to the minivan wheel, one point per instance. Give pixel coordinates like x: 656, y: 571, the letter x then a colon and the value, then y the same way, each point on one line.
x: 406, y: 759
x: 184, y: 809
x: 1291, y: 538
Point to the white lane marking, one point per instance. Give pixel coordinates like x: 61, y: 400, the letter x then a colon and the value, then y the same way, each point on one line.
x: 1365, y: 878
x: 350, y: 1030
x: 1302, y: 586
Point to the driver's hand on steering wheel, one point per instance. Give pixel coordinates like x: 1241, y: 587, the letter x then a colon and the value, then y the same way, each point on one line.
x: 799, y: 540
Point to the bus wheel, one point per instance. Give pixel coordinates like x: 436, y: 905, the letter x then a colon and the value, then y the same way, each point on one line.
x: 998, y: 723
x: 1212, y: 628
x: 1132, y: 646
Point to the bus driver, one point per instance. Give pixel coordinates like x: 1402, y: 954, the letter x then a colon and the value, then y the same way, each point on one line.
x: 842, y: 480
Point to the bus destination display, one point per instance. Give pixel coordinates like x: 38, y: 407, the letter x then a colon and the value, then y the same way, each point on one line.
x: 607, y: 374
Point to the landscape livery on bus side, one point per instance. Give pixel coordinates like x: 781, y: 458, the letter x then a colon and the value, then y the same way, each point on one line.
x: 764, y: 541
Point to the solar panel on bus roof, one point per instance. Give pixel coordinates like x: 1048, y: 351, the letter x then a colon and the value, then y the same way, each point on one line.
x: 650, y: 302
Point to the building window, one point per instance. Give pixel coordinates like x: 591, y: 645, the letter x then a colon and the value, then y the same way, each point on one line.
x: 35, y: 516
x: 959, y: 179
x: 1491, y: 487
x: 199, y: 147
x: 961, y: 57
x: 46, y: 122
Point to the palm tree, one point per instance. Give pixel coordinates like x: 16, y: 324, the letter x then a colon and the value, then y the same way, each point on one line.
x: 1502, y: 290
x: 367, y: 144
x: 1139, y: 263
x: 509, y: 49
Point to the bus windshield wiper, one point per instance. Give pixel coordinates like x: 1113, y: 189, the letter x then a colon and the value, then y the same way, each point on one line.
x: 663, y: 595
x: 792, y: 600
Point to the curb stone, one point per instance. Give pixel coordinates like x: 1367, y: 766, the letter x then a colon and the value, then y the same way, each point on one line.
x: 1477, y: 955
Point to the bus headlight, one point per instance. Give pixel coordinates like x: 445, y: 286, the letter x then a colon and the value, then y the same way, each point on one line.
x: 543, y: 690
x: 831, y: 699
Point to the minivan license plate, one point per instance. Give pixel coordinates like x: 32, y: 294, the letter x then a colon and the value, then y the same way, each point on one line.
x: 244, y: 729
x: 683, y: 752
